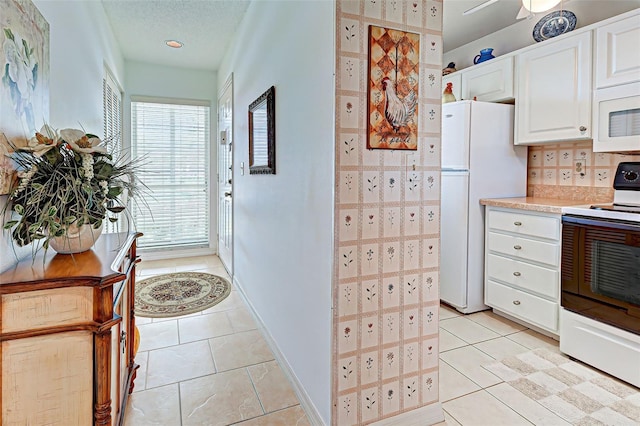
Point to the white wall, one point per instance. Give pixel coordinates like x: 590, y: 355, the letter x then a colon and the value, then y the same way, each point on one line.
x: 81, y: 44
x: 283, y: 227
x: 519, y: 34
x: 176, y: 83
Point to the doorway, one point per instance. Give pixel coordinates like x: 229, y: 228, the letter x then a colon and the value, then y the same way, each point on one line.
x: 225, y: 175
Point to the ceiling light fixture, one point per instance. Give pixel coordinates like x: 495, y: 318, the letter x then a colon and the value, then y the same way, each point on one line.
x: 174, y: 43
x: 529, y: 7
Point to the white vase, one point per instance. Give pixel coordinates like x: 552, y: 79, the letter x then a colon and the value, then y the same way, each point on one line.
x: 76, y: 240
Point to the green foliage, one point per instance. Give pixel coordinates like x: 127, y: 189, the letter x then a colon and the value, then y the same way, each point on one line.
x: 59, y: 187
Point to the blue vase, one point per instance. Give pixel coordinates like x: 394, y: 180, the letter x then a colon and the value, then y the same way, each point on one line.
x: 485, y: 55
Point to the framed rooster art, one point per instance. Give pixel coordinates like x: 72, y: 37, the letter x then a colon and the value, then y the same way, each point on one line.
x: 394, y: 75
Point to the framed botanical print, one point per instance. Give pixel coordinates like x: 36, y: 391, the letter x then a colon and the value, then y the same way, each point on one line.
x: 24, y: 78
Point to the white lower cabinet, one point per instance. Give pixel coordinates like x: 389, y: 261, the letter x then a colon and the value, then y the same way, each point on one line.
x: 522, y: 265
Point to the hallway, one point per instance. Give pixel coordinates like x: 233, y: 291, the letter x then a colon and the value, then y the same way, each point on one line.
x: 208, y: 368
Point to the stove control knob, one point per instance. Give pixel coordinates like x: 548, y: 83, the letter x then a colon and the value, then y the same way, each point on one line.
x: 630, y: 176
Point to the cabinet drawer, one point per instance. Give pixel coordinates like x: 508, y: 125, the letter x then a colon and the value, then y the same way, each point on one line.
x: 525, y: 249
x: 537, y: 279
x: 525, y: 224
x: 46, y: 308
x: 526, y: 306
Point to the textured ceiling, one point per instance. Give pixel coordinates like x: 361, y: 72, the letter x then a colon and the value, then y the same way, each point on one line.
x: 207, y: 26
x: 204, y: 26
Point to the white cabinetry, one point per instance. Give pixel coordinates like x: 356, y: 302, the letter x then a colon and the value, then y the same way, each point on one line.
x: 456, y: 79
x: 616, y: 99
x: 618, y: 52
x: 554, y: 91
x: 522, y: 265
x: 490, y: 81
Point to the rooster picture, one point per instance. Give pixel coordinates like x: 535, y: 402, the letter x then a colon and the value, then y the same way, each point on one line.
x: 394, y: 76
x: 398, y: 112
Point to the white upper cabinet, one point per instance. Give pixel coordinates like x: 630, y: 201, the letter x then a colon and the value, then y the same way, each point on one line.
x: 554, y: 91
x: 490, y: 81
x: 618, y: 52
x: 456, y: 79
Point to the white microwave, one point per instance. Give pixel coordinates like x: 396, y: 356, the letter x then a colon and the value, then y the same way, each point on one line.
x: 616, y: 118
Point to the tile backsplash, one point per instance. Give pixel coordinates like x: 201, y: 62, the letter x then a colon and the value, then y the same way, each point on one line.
x: 572, y: 171
x: 386, y: 271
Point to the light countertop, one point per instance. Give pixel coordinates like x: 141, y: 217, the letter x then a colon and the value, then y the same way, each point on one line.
x: 538, y: 204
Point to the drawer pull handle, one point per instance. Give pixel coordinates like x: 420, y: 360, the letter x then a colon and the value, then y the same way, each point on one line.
x: 517, y: 223
x: 516, y: 302
x: 517, y: 274
x: 517, y: 247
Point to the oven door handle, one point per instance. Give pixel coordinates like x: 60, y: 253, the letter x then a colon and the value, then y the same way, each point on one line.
x: 601, y: 223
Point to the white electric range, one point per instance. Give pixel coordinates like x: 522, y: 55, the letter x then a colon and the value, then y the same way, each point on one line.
x: 600, y: 285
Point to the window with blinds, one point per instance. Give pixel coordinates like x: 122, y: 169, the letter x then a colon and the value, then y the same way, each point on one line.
x: 172, y: 141
x: 112, y: 108
x: 112, y: 118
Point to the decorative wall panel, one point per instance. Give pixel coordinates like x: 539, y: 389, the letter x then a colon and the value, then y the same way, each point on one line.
x: 386, y: 229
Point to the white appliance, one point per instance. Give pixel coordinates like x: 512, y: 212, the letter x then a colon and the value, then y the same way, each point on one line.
x: 600, y: 315
x: 616, y: 118
x: 479, y: 160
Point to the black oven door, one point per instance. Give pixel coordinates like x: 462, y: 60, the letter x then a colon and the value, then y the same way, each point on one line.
x: 601, y: 269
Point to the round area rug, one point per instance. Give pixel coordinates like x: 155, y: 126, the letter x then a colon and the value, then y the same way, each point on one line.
x: 180, y: 293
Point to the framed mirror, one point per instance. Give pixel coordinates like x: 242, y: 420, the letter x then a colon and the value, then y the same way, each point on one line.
x: 262, y: 134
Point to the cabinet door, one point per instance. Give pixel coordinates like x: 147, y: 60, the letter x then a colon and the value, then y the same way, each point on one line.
x: 617, y: 52
x: 554, y: 91
x: 116, y: 363
x: 456, y: 80
x: 490, y: 81
x: 119, y: 349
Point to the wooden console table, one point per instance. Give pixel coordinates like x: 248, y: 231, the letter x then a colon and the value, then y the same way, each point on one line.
x: 67, y: 330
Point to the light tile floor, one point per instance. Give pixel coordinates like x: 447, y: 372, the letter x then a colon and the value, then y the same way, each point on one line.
x: 214, y: 367
x: 208, y: 368
x: 470, y: 394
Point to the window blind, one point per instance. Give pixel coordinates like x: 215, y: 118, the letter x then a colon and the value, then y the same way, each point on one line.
x: 173, y: 142
x: 112, y: 119
x: 624, y: 123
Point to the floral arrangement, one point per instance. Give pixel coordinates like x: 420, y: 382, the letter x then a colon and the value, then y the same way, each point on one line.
x: 66, y: 179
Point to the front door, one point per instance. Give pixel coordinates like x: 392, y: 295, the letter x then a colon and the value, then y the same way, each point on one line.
x: 225, y: 175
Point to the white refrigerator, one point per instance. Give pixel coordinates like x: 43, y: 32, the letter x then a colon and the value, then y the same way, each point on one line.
x: 479, y: 160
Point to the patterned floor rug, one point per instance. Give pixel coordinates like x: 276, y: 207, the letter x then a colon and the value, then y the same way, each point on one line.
x: 180, y: 293
x: 579, y: 394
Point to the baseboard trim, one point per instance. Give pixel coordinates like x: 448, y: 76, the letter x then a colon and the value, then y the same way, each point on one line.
x: 423, y: 416
x: 305, y: 402
x: 523, y: 323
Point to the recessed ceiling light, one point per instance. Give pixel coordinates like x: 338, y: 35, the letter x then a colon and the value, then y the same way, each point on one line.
x: 174, y: 43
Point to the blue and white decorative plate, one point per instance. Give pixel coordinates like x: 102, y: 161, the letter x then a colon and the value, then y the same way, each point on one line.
x: 554, y: 24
